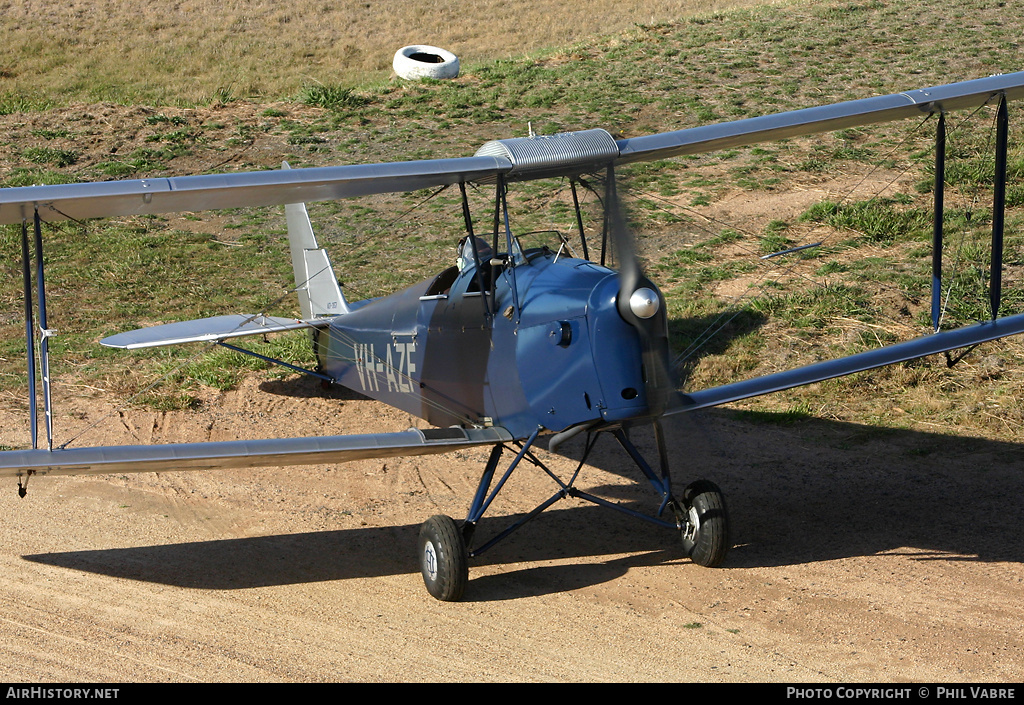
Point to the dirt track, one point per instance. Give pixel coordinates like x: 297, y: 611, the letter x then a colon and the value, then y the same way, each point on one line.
x: 860, y: 556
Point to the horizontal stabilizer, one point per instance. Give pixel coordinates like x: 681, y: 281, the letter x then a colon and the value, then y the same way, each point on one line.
x: 206, y: 330
x: 273, y: 452
x: 888, y: 355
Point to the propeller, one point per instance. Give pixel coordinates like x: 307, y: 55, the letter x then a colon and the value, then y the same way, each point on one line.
x: 642, y: 305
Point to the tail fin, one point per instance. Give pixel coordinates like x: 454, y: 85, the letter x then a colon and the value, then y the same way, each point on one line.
x: 315, y: 282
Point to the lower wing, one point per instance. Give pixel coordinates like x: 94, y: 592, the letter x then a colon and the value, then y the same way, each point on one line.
x: 880, y: 357
x: 270, y: 452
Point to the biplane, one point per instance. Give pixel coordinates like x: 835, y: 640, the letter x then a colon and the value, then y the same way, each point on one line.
x: 512, y: 345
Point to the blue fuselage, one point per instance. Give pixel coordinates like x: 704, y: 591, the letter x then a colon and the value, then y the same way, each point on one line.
x: 564, y: 357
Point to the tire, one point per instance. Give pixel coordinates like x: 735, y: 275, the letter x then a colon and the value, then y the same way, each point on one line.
x: 444, y: 560
x: 706, y: 538
x: 421, y: 61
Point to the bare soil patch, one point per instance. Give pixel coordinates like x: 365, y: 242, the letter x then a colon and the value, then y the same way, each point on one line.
x: 860, y: 555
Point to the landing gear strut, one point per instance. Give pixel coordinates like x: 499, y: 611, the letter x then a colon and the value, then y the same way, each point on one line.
x: 445, y: 546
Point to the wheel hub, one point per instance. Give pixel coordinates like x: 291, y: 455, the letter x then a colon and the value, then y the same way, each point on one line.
x: 692, y: 524
x: 430, y: 560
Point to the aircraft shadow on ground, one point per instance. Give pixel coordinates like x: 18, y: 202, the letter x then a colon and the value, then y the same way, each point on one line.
x: 797, y: 493
x: 808, y: 490
x: 306, y: 387
x: 263, y: 561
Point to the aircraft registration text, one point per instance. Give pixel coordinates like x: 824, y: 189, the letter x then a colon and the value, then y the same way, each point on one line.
x: 395, y: 369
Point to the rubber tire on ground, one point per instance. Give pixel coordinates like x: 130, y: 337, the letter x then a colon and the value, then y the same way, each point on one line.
x: 409, y: 63
x: 709, y: 543
x: 444, y: 560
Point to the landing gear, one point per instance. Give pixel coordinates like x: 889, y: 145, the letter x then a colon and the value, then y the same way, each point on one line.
x: 699, y: 515
x: 706, y: 531
x: 444, y: 560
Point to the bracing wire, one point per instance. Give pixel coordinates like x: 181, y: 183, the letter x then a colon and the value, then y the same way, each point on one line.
x: 771, y: 268
x: 205, y: 349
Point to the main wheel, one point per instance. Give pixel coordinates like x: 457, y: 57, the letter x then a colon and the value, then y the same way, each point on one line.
x: 444, y: 560
x: 706, y: 535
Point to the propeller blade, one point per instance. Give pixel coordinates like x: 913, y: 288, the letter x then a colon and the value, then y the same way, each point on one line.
x: 642, y: 305
x: 630, y: 271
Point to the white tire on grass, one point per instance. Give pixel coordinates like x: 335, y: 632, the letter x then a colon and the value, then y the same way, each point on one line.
x: 420, y: 61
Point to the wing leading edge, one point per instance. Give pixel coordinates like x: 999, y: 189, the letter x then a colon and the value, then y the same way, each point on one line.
x: 273, y: 452
x: 238, y: 190
x: 880, y: 357
x: 825, y: 118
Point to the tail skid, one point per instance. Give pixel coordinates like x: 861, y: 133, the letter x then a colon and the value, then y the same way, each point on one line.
x: 315, y: 283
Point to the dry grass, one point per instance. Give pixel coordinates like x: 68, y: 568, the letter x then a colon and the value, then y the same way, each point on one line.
x: 189, y: 50
x: 663, y: 76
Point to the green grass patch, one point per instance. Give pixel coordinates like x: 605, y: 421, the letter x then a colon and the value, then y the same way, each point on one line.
x: 881, y: 220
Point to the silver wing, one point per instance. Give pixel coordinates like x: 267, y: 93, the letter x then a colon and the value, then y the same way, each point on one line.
x: 239, y: 190
x: 838, y: 116
x: 273, y: 452
x: 869, y: 360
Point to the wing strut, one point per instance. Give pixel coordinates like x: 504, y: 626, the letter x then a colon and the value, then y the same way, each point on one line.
x: 44, y: 332
x: 998, y: 207
x: 44, y: 335
x: 30, y: 346
x: 476, y: 252
x: 579, y: 217
x: 940, y: 184
x: 510, y: 270
x: 609, y: 194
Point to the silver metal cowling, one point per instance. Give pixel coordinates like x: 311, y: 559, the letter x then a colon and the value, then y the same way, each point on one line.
x: 555, y: 155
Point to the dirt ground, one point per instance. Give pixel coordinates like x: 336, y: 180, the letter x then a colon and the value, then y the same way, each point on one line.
x: 860, y: 555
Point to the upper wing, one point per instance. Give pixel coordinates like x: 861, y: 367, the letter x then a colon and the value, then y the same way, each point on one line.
x: 238, y: 190
x: 516, y: 159
x: 838, y: 116
x: 273, y: 452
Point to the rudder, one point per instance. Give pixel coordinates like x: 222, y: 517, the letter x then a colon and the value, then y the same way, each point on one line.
x: 315, y: 281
